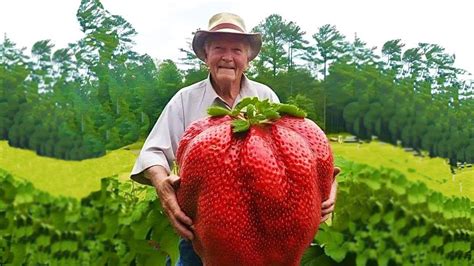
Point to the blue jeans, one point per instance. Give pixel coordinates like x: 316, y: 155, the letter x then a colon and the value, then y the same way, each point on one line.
x: 187, y: 256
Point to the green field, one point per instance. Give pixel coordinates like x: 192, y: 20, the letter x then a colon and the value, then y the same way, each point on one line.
x: 434, y: 172
x: 77, y: 179
x: 68, y: 178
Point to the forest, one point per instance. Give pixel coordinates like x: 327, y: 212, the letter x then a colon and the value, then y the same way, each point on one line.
x: 99, y: 94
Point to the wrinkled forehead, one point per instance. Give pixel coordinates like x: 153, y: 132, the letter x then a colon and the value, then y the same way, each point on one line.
x: 226, y: 38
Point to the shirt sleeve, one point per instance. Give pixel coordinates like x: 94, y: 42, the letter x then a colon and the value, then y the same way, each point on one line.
x: 161, y: 144
x: 273, y: 97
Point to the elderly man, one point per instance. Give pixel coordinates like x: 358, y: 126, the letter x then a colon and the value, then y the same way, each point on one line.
x: 227, y: 49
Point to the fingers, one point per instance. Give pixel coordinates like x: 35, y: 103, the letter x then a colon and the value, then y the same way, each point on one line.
x: 337, y: 170
x: 327, y: 210
x: 181, y: 229
x: 332, y: 196
x: 327, y: 207
x: 327, y: 203
x: 170, y: 204
x: 325, y: 218
x: 333, y: 192
x: 179, y: 220
x: 175, y: 181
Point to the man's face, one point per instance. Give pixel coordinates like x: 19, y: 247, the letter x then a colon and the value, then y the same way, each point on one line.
x: 227, y: 59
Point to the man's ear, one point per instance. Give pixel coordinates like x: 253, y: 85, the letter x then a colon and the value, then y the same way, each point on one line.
x: 205, y: 56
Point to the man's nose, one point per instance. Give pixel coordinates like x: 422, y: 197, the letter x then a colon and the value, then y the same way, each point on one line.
x: 227, y: 56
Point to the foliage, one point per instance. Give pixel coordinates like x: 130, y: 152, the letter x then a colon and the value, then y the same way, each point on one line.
x: 380, y: 218
x: 76, y: 102
x: 383, y: 219
x: 119, y: 224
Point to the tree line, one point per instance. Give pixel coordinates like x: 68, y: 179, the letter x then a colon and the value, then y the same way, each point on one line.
x: 415, y: 96
x: 77, y: 102
x: 99, y: 94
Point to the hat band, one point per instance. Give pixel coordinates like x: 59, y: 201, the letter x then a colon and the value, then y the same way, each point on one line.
x: 226, y: 26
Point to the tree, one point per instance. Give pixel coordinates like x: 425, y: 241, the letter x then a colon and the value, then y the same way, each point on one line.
x: 189, y: 58
x: 330, y: 45
x: 412, y: 63
x: 272, y: 54
x: 357, y: 53
x: 108, y: 38
x: 293, y: 35
x: 197, y: 70
x: 13, y: 71
x: 41, y: 65
x: 392, y: 52
x: 169, y: 79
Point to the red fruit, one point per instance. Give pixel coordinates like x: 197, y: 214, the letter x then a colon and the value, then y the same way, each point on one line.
x: 254, y: 197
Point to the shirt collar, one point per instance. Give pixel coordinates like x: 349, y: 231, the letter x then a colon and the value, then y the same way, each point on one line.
x: 211, y: 97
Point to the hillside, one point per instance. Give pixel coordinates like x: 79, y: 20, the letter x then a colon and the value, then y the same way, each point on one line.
x: 53, y: 175
x: 60, y: 177
x: 434, y: 172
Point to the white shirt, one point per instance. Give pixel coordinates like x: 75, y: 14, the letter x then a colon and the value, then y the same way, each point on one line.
x: 187, y: 105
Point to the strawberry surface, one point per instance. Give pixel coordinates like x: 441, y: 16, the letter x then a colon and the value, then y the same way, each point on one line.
x: 254, y: 197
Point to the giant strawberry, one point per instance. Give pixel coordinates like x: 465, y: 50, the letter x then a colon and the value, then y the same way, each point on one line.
x: 253, y: 180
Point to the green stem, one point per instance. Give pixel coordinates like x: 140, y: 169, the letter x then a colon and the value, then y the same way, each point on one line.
x: 252, y: 111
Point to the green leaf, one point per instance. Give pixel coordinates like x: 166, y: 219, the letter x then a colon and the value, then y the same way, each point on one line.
x: 436, y: 241
x: 336, y: 252
x: 155, y: 259
x: 264, y: 105
x: 111, y: 225
x: 260, y: 117
x: 371, y: 183
x: 218, y: 111
x: 240, y: 125
x: 250, y: 110
x: 244, y: 102
x: 271, y: 114
x: 168, y: 242
x: 333, y: 244
x: 314, y: 256
x: 361, y: 259
x: 375, y: 218
x: 291, y: 110
x: 19, y: 254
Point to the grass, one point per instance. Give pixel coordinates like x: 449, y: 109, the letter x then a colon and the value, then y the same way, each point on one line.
x: 79, y: 178
x: 67, y: 178
x: 434, y: 172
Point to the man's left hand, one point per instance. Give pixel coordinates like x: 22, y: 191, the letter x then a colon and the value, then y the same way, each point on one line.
x: 328, y: 205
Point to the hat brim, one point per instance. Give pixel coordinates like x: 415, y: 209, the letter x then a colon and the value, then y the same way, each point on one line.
x: 254, y: 39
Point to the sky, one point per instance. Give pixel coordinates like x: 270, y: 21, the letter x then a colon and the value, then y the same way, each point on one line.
x: 164, y: 26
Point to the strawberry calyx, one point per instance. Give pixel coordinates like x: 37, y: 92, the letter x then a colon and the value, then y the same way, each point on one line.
x: 252, y: 111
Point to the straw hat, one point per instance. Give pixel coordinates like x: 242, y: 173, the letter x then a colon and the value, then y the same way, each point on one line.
x: 226, y: 23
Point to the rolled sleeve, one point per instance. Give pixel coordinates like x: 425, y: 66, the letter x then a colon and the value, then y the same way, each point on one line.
x: 161, y: 144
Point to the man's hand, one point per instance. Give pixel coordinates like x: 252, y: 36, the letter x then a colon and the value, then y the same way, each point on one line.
x: 328, y: 205
x: 166, y: 189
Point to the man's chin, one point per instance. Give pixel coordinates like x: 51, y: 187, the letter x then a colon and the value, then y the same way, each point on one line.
x: 225, y: 80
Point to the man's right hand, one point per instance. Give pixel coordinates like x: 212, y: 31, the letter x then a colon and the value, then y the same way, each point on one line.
x: 166, y: 189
